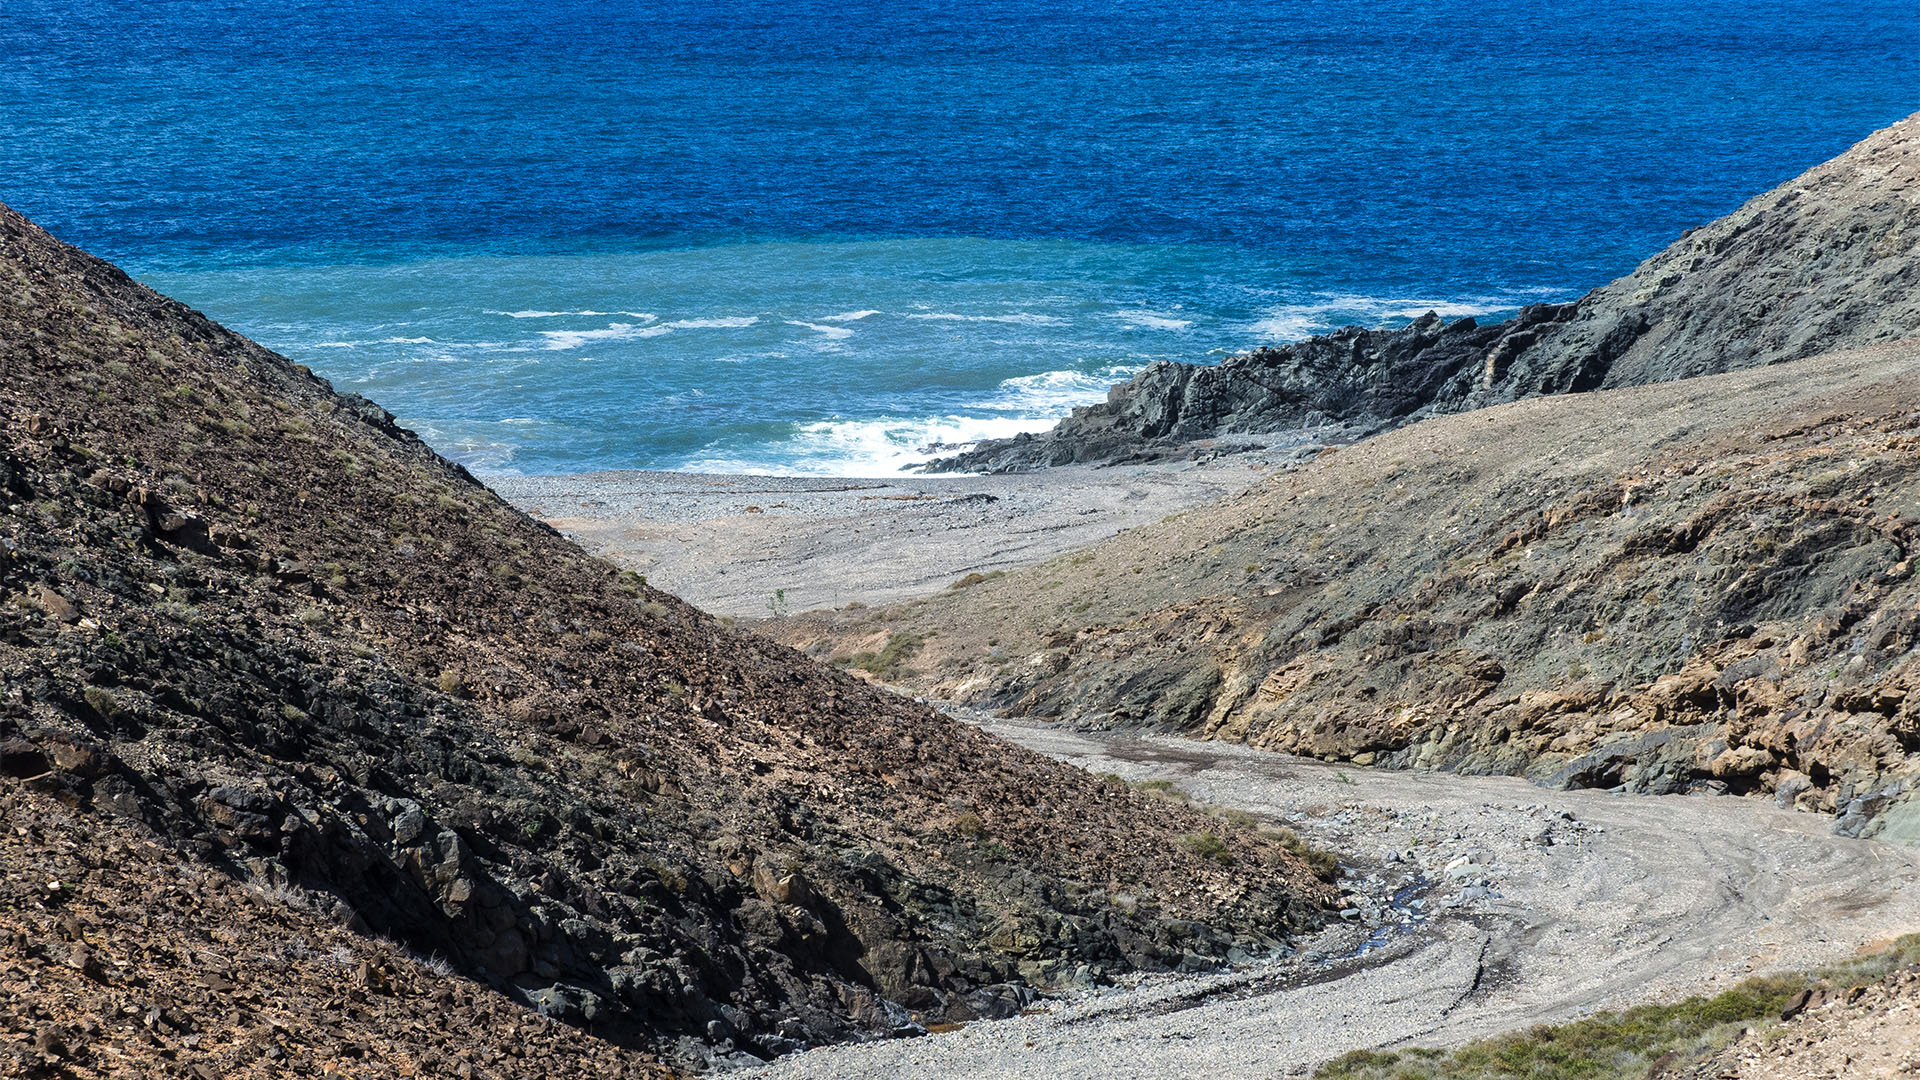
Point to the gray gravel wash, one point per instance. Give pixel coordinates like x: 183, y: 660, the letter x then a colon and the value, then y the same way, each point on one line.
x: 1534, y: 906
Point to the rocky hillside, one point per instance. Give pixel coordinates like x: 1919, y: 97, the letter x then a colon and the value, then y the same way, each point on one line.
x: 1828, y: 260
x: 119, y: 953
x: 251, y: 631
x: 1699, y: 585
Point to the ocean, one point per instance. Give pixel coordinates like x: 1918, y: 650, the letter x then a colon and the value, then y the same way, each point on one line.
x: 798, y: 237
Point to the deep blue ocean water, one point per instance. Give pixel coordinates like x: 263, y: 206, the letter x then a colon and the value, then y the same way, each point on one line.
x: 797, y: 236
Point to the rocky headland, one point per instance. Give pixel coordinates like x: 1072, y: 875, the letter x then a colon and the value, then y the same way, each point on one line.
x: 1825, y: 261
x: 262, y: 651
x: 1675, y: 581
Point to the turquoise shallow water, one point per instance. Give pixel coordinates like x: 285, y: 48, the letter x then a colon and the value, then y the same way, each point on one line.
x: 800, y: 236
x: 815, y: 357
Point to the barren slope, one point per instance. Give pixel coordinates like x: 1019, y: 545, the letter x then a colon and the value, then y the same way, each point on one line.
x: 1702, y: 584
x: 265, y: 628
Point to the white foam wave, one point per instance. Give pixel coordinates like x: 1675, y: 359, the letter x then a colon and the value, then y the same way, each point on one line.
x: 1023, y: 318
x: 1151, y: 320
x: 485, y: 345
x: 885, y: 446
x: 851, y: 316
x: 573, y: 339
x: 1330, y: 311
x: 835, y: 332
x: 726, y: 322
x: 1287, y: 326
x: 560, y: 314
x: 1051, y: 394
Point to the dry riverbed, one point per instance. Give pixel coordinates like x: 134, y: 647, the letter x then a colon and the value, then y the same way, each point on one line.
x: 1478, y: 905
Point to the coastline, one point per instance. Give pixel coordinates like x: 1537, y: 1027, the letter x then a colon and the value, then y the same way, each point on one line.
x: 744, y: 545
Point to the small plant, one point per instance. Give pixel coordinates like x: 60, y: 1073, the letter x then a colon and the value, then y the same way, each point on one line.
x: 1235, y: 816
x: 280, y: 893
x: 1161, y: 789
x: 1606, y: 1046
x: 1324, y: 864
x: 891, y: 658
x: 970, y: 826
x: 1340, y: 777
x: 1207, y: 846
x: 102, y: 701
x: 435, y: 965
x: 671, y: 879
x: 777, y: 603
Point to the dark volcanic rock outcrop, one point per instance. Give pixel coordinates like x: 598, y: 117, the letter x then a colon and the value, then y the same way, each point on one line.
x: 258, y: 625
x: 1828, y: 260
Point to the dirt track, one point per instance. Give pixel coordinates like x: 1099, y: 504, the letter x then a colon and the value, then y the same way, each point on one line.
x: 1589, y: 900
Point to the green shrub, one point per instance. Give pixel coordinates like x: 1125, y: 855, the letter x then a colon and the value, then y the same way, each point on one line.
x: 1620, y: 1045
x: 103, y: 701
x: 1208, y: 846
x: 891, y: 658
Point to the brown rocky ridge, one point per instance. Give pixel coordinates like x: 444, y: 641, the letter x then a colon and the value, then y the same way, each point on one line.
x: 253, y: 632
x: 1702, y: 585
x: 1825, y: 261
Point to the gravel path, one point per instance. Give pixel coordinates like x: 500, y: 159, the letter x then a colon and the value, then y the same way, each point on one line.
x: 1484, y: 904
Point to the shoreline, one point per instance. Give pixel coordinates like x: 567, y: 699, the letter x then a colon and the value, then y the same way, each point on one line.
x: 752, y: 546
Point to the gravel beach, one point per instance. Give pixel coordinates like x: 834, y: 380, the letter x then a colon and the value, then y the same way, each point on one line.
x: 748, y: 545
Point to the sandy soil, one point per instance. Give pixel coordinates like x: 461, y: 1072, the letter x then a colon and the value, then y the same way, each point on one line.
x: 1490, y: 904
x: 744, y: 545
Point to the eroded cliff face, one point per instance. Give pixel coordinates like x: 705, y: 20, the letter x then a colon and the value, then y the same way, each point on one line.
x: 1828, y: 260
x: 1698, y: 585
x: 262, y: 626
